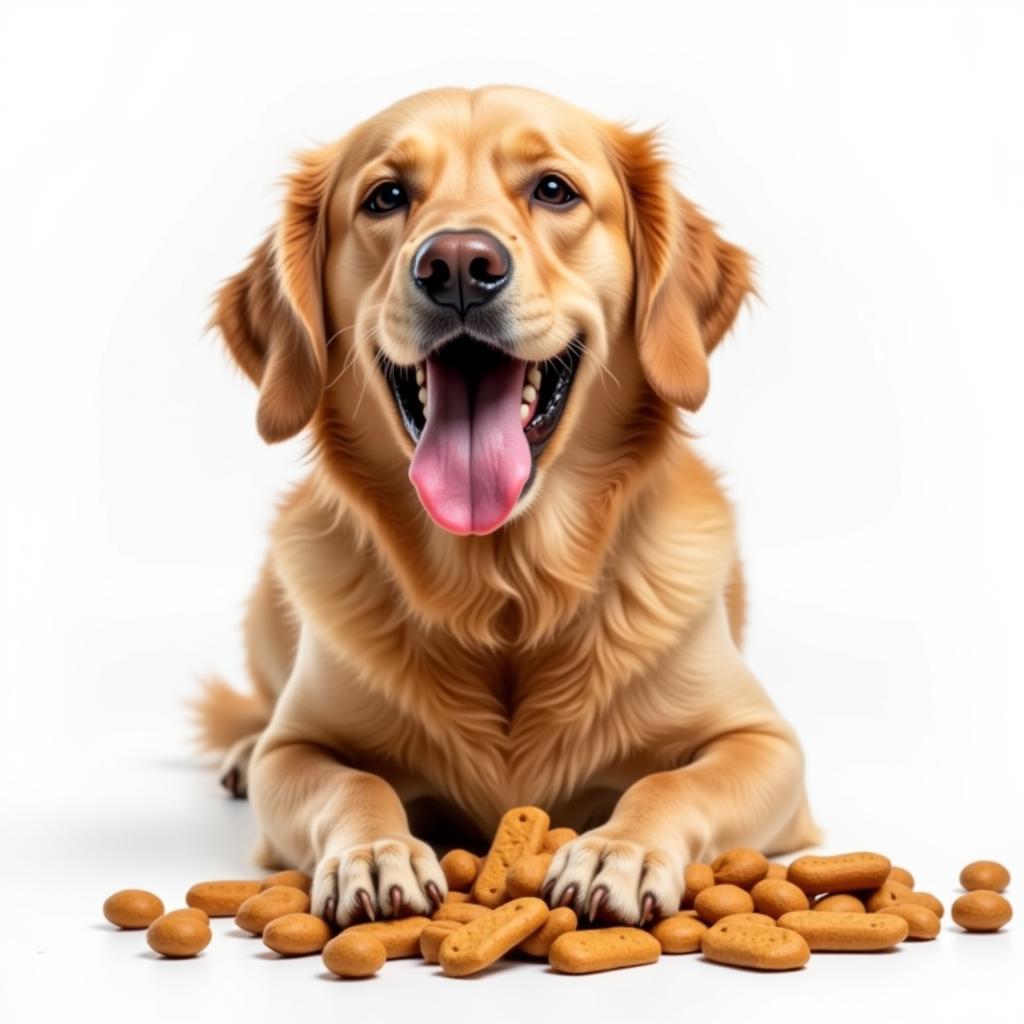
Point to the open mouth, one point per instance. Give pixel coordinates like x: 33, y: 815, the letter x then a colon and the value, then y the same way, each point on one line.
x: 479, y: 419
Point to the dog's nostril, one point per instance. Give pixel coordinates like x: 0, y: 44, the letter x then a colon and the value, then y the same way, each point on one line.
x: 439, y: 274
x: 480, y: 270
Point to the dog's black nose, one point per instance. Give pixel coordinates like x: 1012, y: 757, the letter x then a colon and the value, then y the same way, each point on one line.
x: 461, y: 268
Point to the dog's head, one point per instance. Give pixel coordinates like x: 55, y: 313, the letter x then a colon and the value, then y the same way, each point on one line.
x: 472, y: 285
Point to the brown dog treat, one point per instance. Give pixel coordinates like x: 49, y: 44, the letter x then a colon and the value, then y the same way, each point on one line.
x: 221, y: 899
x: 742, y: 866
x: 478, y: 944
x: 457, y: 897
x: 521, y: 832
x: 984, y: 874
x: 755, y: 946
x: 558, y: 837
x: 761, y: 920
x: 460, y: 869
x: 179, y: 934
x: 696, y: 878
x: 840, y: 903
x: 776, y: 896
x: 721, y: 900
x: 841, y: 873
x: 526, y: 876
x: 853, y: 933
x: 258, y: 911
x: 401, y: 937
x: 297, y: 934
x: 891, y: 893
x: 462, y: 913
x: 132, y: 908
x: 294, y: 879
x: 560, y: 921
x: 982, y: 911
x: 354, y: 955
x: 923, y: 924
x: 901, y: 875
x: 680, y: 933
x: 433, y: 935
x: 603, y: 949
x: 776, y: 870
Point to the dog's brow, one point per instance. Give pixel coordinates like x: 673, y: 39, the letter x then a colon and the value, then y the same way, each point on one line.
x: 408, y: 155
x: 529, y: 146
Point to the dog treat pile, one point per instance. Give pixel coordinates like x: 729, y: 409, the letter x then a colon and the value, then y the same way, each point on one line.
x: 739, y: 910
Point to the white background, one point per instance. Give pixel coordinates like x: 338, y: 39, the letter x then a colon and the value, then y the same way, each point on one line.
x: 866, y: 416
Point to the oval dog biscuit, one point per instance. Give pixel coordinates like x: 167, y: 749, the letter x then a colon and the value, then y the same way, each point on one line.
x: 603, y: 949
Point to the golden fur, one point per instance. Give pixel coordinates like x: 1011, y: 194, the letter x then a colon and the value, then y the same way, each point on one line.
x: 583, y: 657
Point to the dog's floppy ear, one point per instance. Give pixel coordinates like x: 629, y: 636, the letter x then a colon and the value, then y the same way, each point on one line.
x: 689, y: 282
x: 271, y: 314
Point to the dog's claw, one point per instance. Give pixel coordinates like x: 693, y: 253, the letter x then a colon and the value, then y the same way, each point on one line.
x: 330, y: 909
x: 647, y: 908
x: 434, y: 895
x: 568, y: 897
x: 596, y: 899
x: 545, y: 893
x: 395, y: 893
x: 231, y: 780
x: 366, y: 904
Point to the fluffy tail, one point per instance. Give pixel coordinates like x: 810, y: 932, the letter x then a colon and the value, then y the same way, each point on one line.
x: 224, y: 716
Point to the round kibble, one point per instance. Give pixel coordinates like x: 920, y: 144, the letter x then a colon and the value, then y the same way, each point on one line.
x: 742, y: 866
x: 923, y: 924
x: 179, y: 934
x: 460, y: 869
x: 526, y: 876
x: 560, y: 921
x: 982, y: 911
x: 985, y: 874
x: 891, y: 893
x: 132, y: 908
x: 840, y: 903
x: 721, y: 900
x: 903, y: 876
x: 258, y: 911
x: 680, y: 933
x: 297, y: 934
x: 354, y: 955
x: 775, y: 897
x: 776, y: 870
x: 433, y: 935
x: 696, y: 878
x: 294, y: 879
x: 558, y: 837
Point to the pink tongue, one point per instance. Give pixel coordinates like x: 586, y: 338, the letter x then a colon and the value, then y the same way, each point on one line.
x: 472, y: 458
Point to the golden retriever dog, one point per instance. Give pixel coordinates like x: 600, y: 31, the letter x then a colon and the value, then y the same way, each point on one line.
x: 507, y: 578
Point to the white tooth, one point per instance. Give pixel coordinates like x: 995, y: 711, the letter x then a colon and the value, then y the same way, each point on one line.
x: 529, y: 393
x: 423, y: 396
x: 420, y: 375
x: 533, y: 376
x: 524, y: 412
x: 426, y: 411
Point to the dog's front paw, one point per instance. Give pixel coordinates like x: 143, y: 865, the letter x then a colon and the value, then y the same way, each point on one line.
x: 389, y: 877
x: 606, y: 877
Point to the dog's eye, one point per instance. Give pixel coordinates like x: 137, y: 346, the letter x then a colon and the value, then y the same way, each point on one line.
x: 386, y: 197
x: 554, y: 191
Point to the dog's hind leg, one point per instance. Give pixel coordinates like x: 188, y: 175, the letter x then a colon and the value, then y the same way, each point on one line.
x: 232, y: 721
